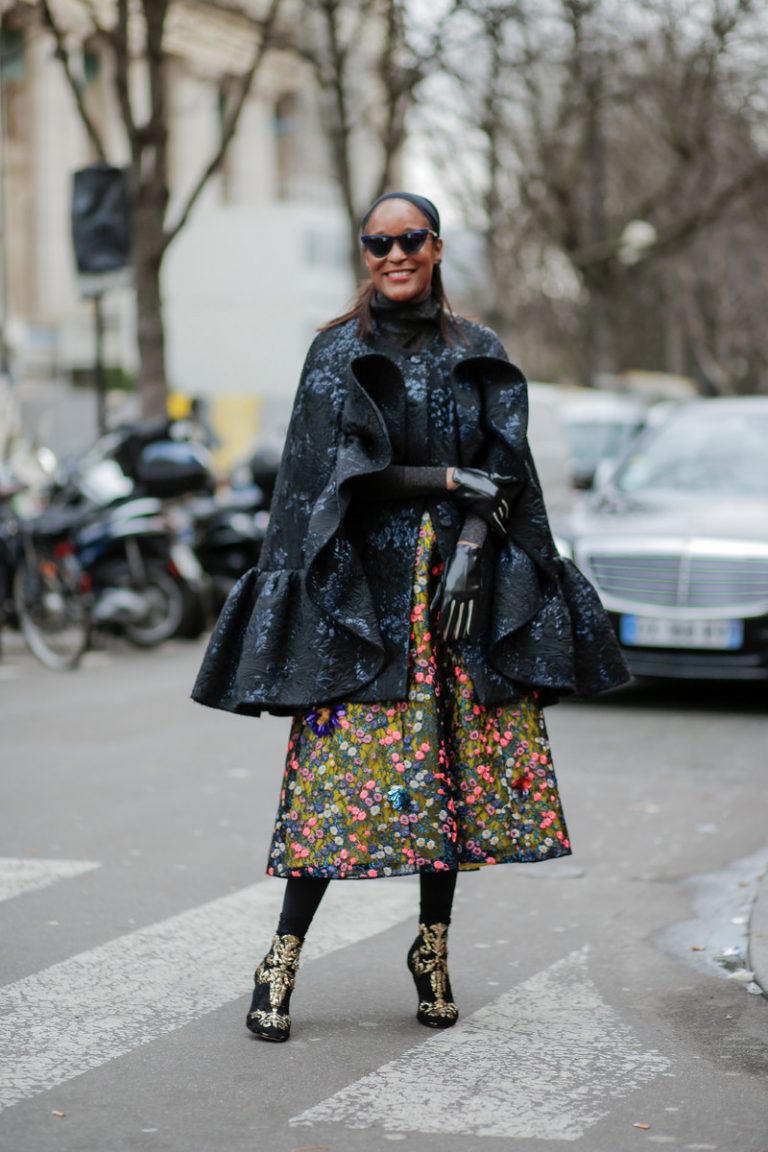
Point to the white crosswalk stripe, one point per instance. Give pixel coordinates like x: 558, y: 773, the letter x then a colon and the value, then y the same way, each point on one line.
x: 86, y: 1010
x: 25, y: 875
x: 543, y: 1062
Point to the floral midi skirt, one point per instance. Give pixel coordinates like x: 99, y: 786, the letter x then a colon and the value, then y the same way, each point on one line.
x: 434, y: 782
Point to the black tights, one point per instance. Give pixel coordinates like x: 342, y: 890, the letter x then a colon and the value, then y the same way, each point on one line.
x: 304, y: 893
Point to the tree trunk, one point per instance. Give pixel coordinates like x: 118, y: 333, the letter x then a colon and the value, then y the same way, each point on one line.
x: 151, y: 339
x: 600, y: 343
x: 149, y: 212
x: 601, y: 350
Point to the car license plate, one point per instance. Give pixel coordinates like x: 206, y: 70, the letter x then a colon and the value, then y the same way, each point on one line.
x: 656, y: 632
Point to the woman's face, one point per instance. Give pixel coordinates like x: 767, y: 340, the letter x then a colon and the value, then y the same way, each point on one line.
x: 398, y: 276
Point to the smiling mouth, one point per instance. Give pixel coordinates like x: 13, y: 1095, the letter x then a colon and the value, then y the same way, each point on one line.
x: 399, y: 273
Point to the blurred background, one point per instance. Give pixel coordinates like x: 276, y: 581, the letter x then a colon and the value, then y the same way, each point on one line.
x: 181, y: 184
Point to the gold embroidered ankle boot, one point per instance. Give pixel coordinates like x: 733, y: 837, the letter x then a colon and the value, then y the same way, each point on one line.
x: 428, y: 963
x: 274, y: 979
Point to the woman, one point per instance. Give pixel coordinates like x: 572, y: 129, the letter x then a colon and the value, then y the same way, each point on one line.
x: 410, y: 612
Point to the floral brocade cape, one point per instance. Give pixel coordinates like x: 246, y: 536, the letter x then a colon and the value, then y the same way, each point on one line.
x: 324, y: 618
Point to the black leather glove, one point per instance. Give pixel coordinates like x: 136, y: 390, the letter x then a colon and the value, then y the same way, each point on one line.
x: 482, y: 493
x: 459, y: 592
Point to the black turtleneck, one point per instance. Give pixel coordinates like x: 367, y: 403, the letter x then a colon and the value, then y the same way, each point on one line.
x: 412, y: 327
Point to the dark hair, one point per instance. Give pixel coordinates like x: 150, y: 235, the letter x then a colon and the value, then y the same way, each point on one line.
x: 426, y: 207
x: 361, y: 311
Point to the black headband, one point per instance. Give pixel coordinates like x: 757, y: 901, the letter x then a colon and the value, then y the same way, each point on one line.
x: 425, y: 206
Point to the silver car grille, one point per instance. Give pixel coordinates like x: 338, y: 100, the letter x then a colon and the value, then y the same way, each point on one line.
x: 680, y: 581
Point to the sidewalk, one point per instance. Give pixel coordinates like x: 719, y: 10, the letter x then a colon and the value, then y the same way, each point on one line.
x: 758, y: 935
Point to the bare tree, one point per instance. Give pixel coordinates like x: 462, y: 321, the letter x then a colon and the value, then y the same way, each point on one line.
x: 719, y: 291
x: 590, y: 118
x: 369, y: 59
x: 148, y: 138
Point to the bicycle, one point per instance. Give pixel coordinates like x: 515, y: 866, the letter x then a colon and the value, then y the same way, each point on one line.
x: 43, y: 589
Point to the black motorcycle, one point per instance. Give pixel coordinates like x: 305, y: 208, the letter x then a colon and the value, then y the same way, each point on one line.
x: 227, y: 533
x: 147, y: 582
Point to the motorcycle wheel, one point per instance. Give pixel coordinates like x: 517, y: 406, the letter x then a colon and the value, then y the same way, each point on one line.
x: 53, y: 612
x: 166, y: 609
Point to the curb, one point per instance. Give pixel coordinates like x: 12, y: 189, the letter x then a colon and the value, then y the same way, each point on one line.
x: 758, y: 935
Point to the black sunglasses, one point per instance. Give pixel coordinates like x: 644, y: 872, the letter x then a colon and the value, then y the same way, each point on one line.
x: 408, y: 242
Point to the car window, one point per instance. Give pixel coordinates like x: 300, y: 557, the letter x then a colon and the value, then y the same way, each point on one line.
x: 702, y: 451
x: 590, y: 441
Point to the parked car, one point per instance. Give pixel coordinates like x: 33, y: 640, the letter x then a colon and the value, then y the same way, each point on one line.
x: 676, y: 543
x: 598, y: 428
x: 547, y: 438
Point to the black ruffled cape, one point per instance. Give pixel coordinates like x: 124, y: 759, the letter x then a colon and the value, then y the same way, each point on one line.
x: 326, y: 614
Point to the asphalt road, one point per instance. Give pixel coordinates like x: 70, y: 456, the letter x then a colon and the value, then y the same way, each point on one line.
x: 134, y: 906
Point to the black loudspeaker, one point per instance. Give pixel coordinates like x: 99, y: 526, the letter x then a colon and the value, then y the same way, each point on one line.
x: 101, y: 219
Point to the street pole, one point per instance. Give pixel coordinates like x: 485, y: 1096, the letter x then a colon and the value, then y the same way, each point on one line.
x: 101, y: 390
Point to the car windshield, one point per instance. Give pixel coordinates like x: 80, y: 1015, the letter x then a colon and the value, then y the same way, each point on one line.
x: 705, y: 450
x: 590, y: 441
